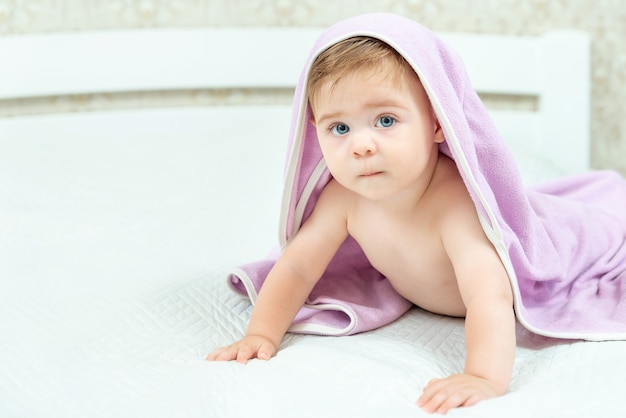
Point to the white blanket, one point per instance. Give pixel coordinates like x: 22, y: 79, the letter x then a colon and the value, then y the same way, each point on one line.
x: 113, y: 251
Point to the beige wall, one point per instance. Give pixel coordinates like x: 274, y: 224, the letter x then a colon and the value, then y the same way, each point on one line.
x: 604, y: 19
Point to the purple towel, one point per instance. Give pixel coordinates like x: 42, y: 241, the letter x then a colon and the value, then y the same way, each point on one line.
x: 563, y: 243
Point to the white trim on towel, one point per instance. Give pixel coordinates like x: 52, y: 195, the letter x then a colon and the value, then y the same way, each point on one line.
x: 307, y: 328
x: 301, y: 205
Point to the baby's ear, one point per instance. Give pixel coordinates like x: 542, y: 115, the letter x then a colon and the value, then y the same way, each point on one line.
x: 311, y: 114
x: 439, y: 137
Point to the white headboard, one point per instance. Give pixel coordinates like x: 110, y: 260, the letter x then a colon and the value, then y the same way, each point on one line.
x: 551, y: 70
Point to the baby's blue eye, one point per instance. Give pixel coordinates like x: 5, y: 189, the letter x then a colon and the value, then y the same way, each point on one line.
x: 385, y: 121
x: 340, y: 129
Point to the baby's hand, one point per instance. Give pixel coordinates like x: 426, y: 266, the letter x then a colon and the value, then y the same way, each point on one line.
x: 245, y: 349
x: 441, y: 395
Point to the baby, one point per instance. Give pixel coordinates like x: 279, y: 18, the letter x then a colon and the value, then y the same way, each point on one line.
x: 406, y: 205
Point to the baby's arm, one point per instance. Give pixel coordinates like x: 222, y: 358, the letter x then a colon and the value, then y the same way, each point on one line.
x: 490, y: 320
x: 291, y: 279
x: 280, y: 298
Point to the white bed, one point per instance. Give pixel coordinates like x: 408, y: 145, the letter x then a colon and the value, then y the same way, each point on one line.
x: 117, y: 229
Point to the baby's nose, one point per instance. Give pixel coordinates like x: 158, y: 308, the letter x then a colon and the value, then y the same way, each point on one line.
x: 363, y: 145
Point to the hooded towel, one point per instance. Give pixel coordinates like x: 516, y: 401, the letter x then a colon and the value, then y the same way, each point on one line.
x: 563, y: 243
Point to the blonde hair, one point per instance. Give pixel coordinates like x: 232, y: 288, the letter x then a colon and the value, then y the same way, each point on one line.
x: 352, y: 54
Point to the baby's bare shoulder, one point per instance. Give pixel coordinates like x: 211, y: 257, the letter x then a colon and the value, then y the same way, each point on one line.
x: 456, y: 218
x: 448, y: 191
x: 334, y: 200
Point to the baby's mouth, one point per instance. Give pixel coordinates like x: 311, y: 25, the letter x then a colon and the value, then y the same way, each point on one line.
x: 370, y: 173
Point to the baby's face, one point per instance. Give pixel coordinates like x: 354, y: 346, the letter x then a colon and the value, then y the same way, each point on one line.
x: 378, y: 134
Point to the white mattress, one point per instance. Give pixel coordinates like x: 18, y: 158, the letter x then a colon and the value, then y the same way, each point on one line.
x: 114, y: 245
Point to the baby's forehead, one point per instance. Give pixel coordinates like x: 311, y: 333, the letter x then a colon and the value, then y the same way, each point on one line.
x: 373, y: 76
x: 385, y: 71
x: 352, y: 54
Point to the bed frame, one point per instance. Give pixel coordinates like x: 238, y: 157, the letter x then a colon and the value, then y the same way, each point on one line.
x: 552, y: 71
x: 117, y: 227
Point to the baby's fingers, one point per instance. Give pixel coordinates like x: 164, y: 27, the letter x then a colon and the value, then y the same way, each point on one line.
x: 441, y: 403
x: 222, y: 354
x: 266, y: 351
x: 213, y: 355
x: 254, y: 349
x: 433, y: 397
x: 244, y: 353
x: 244, y: 350
x: 441, y: 395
